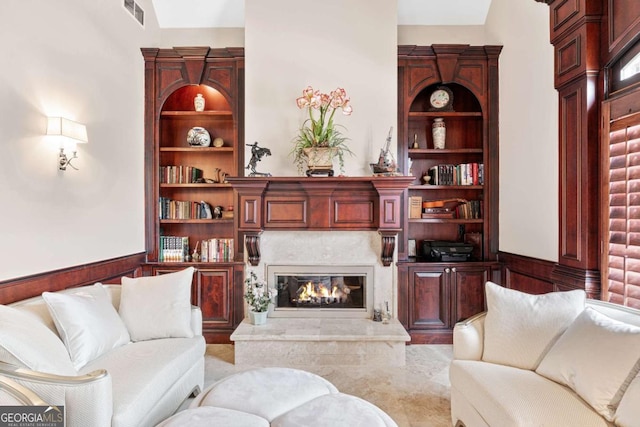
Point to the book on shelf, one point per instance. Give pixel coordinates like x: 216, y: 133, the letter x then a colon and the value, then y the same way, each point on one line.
x: 441, y: 208
x: 460, y: 174
x: 437, y: 213
x: 415, y: 207
x: 176, y: 249
x: 217, y: 250
x: 472, y: 209
x: 173, y: 248
x: 178, y: 209
x: 179, y: 174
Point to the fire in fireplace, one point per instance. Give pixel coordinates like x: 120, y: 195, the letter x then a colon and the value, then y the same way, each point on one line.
x: 318, y: 291
x: 303, y: 291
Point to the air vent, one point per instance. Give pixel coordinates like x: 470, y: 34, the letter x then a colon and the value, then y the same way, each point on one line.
x: 135, y: 10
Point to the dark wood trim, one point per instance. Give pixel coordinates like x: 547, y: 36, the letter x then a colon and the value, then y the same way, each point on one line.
x: 526, y: 274
x: 431, y: 337
x: 575, y: 32
x: 108, y: 271
x: 328, y: 203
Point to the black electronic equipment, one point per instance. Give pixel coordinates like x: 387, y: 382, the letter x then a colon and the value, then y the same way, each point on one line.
x: 437, y: 250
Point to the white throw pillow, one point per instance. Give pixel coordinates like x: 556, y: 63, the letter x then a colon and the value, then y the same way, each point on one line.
x: 157, y: 306
x: 597, y: 357
x: 32, y: 344
x: 87, y: 322
x: 520, y: 328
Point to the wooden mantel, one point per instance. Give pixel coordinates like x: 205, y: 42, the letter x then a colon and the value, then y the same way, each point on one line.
x: 319, y: 203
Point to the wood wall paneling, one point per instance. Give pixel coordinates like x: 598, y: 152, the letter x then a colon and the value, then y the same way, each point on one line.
x: 575, y: 32
x: 109, y: 271
x: 526, y: 274
x: 623, y: 19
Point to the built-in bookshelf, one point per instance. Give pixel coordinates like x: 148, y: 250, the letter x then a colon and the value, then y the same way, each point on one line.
x: 450, y: 181
x: 454, y: 198
x: 193, y: 191
x: 189, y: 153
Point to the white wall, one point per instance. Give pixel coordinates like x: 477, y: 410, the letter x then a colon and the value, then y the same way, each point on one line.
x: 290, y: 44
x: 528, y: 119
x: 80, y: 60
x: 528, y: 129
x: 213, y: 37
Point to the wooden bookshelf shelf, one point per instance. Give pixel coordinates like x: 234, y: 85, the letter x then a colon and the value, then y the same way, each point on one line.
x: 198, y: 149
x: 196, y: 113
x: 446, y: 221
x: 445, y: 114
x: 197, y: 221
x: 429, y: 187
x: 218, y: 185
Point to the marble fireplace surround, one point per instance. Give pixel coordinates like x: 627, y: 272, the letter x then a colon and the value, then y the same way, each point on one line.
x: 325, y: 222
x: 324, y: 341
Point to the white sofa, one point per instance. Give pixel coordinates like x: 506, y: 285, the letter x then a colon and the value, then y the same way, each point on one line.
x: 541, y: 360
x: 135, y: 383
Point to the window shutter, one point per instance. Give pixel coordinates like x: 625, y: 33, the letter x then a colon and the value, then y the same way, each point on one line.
x: 623, y: 249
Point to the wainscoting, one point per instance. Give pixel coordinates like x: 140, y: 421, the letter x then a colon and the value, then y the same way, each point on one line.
x: 526, y: 274
x: 108, y: 271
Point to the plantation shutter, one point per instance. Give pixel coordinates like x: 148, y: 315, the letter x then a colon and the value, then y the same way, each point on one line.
x: 623, y: 234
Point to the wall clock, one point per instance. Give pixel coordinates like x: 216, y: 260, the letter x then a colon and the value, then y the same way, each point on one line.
x: 441, y: 99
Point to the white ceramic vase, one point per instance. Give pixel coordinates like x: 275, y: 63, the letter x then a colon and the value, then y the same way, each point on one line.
x: 258, y: 317
x: 439, y: 133
x: 198, y: 102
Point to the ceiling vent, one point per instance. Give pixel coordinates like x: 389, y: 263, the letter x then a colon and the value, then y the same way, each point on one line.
x: 135, y: 10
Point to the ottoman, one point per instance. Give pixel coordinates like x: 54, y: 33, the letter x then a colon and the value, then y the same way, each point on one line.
x: 278, y: 397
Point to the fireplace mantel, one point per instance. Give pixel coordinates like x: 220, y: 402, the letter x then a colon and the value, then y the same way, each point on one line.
x: 319, y: 203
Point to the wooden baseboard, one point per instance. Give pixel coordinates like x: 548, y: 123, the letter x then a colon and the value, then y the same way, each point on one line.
x: 108, y: 271
x: 431, y: 337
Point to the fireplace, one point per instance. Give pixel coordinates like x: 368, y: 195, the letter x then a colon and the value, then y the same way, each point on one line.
x: 322, y: 290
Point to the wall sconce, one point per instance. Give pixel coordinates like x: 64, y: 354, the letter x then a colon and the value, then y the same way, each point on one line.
x: 67, y: 131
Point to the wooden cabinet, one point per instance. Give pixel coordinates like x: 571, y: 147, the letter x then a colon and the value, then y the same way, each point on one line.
x: 217, y: 290
x: 185, y: 177
x: 465, y: 170
x: 437, y: 295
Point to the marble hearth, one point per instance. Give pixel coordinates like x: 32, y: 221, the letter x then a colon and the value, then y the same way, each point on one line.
x: 299, y: 342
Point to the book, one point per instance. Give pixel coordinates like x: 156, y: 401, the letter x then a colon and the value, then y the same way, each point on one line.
x: 173, y: 248
x: 437, y: 213
x: 415, y: 206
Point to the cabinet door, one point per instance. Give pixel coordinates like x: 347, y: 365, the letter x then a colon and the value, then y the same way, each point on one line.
x: 428, y: 299
x: 468, y: 289
x: 212, y: 294
x: 211, y: 291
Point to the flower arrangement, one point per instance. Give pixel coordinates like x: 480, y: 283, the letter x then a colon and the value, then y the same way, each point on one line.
x: 319, y: 130
x: 258, y: 296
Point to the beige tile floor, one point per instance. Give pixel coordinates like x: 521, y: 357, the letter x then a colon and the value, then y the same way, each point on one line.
x: 414, y: 395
